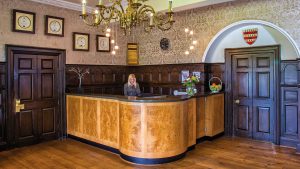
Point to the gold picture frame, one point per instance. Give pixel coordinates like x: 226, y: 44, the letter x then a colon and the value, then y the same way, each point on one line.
x: 81, y: 41
x: 23, y: 21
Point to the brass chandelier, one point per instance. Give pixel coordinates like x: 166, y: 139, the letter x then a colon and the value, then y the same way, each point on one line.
x: 136, y: 13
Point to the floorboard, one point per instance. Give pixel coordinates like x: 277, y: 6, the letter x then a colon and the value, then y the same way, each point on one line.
x: 225, y: 152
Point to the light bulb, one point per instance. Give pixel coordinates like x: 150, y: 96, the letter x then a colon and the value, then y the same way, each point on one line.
x: 192, y: 47
x: 108, y: 30
x: 96, y: 11
x: 194, y: 42
x: 107, y: 35
x: 112, y: 41
x: 113, y: 52
x: 186, y: 30
x: 187, y: 52
x: 84, y: 1
x: 116, y: 47
x: 191, y: 32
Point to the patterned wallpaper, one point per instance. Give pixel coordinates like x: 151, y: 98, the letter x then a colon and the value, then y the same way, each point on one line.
x: 72, y: 24
x: 206, y: 22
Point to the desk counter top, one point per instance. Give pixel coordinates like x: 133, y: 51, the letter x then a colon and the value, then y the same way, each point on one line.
x: 148, y: 99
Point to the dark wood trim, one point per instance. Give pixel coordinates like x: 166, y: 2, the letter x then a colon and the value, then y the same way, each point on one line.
x: 229, y: 130
x: 62, y: 26
x: 14, y: 49
x: 74, y: 41
x: 97, y: 43
x: 14, y: 29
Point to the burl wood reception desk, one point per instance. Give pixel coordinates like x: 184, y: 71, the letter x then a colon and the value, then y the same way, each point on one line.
x: 143, y: 130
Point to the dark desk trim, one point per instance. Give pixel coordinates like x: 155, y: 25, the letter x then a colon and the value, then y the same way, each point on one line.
x: 144, y: 99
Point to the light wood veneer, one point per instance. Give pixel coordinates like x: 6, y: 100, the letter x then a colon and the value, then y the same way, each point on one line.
x: 142, y: 129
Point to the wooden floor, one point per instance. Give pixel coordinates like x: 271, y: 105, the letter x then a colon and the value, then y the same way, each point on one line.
x: 221, y: 153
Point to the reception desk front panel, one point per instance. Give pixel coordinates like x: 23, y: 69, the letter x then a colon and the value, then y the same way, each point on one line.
x: 141, y: 132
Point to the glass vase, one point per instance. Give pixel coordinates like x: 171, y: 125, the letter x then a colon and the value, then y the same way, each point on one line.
x: 191, y: 90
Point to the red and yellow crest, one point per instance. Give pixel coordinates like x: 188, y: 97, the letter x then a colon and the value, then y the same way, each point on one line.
x: 250, y: 35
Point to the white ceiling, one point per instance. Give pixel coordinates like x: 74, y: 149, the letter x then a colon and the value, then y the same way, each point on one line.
x: 159, y: 5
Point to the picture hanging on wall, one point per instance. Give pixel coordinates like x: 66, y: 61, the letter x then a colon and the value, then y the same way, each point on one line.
x: 54, y: 26
x: 103, y: 43
x: 23, y: 21
x: 81, y: 41
x: 197, y: 74
x: 184, y: 75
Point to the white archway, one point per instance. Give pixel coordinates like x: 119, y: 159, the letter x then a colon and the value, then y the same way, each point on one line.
x: 289, y: 46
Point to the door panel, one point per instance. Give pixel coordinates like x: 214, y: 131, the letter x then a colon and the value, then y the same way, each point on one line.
x: 35, y: 84
x: 243, y: 118
x: 26, y: 124
x: 263, y: 96
x: 25, y: 87
x: 263, y: 84
x: 263, y: 119
x: 47, y: 85
x: 253, y: 95
x: 242, y: 66
x: 48, y: 120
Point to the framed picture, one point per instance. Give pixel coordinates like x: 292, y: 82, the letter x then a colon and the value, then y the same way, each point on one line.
x: 184, y: 75
x: 81, y: 41
x: 197, y: 74
x: 54, y: 26
x: 23, y: 21
x: 103, y: 43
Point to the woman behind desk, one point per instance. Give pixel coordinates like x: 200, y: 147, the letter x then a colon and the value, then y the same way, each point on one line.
x: 132, y: 88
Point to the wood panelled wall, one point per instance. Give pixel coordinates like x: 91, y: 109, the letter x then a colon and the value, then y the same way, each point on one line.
x: 290, y: 101
x: 2, y: 104
x: 156, y: 79
x: 106, y: 79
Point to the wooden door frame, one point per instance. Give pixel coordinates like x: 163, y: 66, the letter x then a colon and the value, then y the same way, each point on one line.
x: 229, y: 119
x: 15, y: 49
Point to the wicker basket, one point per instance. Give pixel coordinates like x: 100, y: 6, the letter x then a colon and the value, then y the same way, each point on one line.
x: 215, y: 88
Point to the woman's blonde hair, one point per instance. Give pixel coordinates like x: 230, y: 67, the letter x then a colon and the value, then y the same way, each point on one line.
x: 130, y: 76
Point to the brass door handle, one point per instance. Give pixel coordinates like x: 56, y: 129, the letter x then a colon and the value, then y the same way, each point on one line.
x: 237, y: 101
x: 19, y: 106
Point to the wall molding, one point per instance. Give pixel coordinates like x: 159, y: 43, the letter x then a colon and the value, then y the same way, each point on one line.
x: 64, y: 4
x: 243, y: 23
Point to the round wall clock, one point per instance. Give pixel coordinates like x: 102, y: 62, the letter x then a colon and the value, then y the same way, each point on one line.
x: 164, y: 43
x: 24, y: 22
x: 55, y: 26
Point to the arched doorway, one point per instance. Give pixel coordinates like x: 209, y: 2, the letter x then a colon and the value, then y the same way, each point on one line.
x: 232, y: 37
x: 269, y: 35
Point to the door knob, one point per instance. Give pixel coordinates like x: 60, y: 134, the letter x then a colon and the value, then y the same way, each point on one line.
x: 237, y: 101
x: 19, y: 106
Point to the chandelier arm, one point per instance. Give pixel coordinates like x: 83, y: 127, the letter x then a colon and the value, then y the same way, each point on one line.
x: 88, y: 23
x: 161, y: 21
x: 161, y: 27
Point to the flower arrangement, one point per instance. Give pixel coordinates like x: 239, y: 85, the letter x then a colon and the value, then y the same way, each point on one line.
x: 189, y: 83
x: 80, y: 73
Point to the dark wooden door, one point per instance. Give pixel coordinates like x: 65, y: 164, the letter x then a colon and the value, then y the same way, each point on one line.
x: 253, y: 95
x: 36, y: 85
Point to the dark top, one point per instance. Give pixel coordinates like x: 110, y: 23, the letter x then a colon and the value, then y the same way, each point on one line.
x: 131, y: 90
x: 155, y: 99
